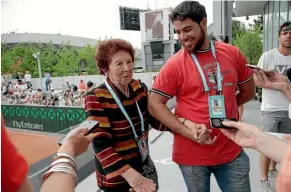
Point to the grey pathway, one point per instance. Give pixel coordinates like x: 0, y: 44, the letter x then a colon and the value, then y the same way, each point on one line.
x: 169, y: 174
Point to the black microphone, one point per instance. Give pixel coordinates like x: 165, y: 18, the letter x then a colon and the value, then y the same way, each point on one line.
x: 289, y: 74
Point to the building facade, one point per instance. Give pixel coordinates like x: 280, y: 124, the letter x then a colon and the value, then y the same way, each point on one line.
x: 274, y: 13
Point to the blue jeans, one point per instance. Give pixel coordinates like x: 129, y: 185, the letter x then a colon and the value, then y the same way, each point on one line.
x: 47, y: 85
x: 230, y: 177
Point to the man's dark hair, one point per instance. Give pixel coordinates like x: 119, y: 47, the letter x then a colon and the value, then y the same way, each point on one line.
x: 188, y: 10
x: 226, y: 39
x: 287, y: 23
x: 75, y: 88
x: 90, y: 84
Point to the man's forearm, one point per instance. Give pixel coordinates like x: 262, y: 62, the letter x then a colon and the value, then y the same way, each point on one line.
x: 244, y: 97
x: 271, y: 146
x: 162, y: 113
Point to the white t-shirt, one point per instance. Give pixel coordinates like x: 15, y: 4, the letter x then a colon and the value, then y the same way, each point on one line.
x: 27, y: 77
x: 273, y: 100
x: 29, y: 94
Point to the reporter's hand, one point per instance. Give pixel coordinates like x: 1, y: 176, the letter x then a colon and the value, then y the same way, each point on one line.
x: 261, y: 79
x: 276, y: 81
x: 287, y: 137
x: 76, y: 143
x: 243, y: 134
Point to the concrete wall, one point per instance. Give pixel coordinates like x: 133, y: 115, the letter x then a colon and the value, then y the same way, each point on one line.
x: 57, y: 82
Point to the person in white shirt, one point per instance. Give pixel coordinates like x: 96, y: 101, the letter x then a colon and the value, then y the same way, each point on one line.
x: 27, y: 79
x: 275, y: 104
x: 29, y: 95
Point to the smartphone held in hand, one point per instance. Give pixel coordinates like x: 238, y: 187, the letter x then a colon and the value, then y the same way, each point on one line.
x: 217, y: 122
x: 90, y: 124
x: 268, y: 73
x: 253, y: 66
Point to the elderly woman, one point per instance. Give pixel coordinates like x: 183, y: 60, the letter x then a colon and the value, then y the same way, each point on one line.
x: 120, y: 142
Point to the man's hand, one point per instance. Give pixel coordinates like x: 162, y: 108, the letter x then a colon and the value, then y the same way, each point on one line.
x: 275, y: 81
x: 200, y: 133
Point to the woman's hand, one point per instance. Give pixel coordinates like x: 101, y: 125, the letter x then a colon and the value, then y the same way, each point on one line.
x: 145, y: 185
x: 76, y: 143
x: 245, y: 135
x: 138, y: 182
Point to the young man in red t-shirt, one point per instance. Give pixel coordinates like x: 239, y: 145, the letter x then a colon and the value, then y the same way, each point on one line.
x: 218, y: 69
x: 14, y: 168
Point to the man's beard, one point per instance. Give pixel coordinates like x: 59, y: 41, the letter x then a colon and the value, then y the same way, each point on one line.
x: 286, y: 46
x: 199, y: 42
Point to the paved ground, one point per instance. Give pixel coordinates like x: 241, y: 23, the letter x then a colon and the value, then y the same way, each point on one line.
x: 169, y: 174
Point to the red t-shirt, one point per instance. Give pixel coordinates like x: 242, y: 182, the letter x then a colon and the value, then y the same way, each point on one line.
x: 14, y: 168
x: 180, y: 77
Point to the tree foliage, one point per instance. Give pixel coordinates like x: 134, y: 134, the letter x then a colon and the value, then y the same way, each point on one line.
x: 248, y: 39
x: 250, y: 43
x: 238, y: 28
x: 59, y: 60
x: 259, y: 22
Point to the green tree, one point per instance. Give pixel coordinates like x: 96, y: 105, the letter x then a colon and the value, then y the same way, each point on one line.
x: 250, y: 43
x: 48, y: 58
x: 66, y: 58
x: 259, y: 22
x: 28, y: 63
x: 238, y: 28
x: 86, y: 60
x: 6, y: 58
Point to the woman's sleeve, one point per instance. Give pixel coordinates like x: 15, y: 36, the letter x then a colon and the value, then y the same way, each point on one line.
x: 152, y: 121
x: 110, y: 161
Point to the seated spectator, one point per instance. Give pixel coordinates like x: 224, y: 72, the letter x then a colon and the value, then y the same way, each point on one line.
x: 82, y: 86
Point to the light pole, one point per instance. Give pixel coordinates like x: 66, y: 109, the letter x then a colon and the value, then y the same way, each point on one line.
x: 37, y: 57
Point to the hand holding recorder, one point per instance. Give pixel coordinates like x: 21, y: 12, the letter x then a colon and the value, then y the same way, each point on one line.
x: 77, y: 141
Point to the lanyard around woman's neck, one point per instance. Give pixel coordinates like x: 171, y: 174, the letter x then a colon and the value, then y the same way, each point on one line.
x: 117, y: 100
